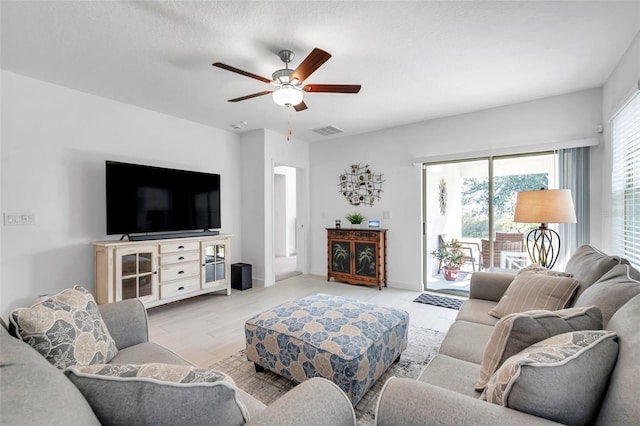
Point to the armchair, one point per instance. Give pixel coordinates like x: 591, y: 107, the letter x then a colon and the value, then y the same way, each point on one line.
x: 504, y: 242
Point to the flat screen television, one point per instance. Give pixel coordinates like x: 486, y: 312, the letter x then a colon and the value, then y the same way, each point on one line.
x: 146, y: 199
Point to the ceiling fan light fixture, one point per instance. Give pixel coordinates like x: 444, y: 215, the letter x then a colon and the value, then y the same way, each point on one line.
x: 287, y: 95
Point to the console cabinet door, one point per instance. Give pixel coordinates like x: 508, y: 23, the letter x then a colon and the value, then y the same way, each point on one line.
x: 215, y: 268
x: 136, y: 273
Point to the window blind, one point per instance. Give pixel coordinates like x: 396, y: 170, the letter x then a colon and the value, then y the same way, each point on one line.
x: 625, y: 180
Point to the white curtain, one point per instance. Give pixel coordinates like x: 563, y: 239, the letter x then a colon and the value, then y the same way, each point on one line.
x: 574, y: 175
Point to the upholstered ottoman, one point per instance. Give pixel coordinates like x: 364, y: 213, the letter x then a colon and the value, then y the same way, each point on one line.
x: 344, y: 340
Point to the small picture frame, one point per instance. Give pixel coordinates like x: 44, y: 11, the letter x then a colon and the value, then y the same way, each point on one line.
x: 338, y: 223
x: 374, y: 223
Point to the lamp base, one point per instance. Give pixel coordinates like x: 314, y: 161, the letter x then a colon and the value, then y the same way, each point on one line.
x: 543, y: 246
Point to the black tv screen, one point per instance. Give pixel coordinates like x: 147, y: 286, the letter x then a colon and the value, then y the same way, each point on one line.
x: 143, y: 199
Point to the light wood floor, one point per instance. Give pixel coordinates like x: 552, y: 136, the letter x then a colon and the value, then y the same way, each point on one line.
x: 207, y: 329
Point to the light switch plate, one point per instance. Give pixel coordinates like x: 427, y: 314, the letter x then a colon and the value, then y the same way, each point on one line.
x: 12, y: 219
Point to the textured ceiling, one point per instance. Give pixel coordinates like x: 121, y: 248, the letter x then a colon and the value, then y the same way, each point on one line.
x: 415, y: 60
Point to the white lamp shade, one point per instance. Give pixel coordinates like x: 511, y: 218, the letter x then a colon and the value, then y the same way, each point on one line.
x: 545, y: 206
x: 287, y: 95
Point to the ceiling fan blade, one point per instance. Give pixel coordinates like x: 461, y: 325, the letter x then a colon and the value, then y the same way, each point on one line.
x: 241, y: 72
x: 300, y: 107
x: 312, y: 62
x: 254, y: 95
x: 332, y: 88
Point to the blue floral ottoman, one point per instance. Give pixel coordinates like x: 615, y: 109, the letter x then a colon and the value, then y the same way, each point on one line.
x: 344, y: 340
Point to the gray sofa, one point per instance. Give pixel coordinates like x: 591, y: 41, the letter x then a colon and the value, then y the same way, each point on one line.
x: 34, y: 392
x: 444, y: 392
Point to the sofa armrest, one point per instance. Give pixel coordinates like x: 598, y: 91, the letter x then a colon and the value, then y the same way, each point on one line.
x: 410, y: 402
x: 489, y: 285
x: 316, y: 401
x: 126, y: 321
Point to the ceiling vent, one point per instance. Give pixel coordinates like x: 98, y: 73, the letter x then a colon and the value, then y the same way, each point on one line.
x: 328, y: 131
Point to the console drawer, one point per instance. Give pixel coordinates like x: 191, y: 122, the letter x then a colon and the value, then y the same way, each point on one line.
x: 179, y: 287
x: 188, y: 256
x: 179, y: 246
x: 179, y: 271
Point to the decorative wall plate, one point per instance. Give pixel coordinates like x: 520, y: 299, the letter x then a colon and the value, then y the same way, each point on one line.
x: 360, y: 185
x: 442, y: 196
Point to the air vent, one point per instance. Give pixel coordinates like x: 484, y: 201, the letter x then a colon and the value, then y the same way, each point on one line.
x: 328, y: 131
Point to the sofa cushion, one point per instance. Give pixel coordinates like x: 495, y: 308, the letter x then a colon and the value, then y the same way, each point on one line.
x: 516, y: 332
x: 451, y: 373
x: 146, y: 352
x: 34, y: 392
x: 562, y: 378
x: 533, y: 290
x: 620, y: 405
x: 588, y: 265
x: 66, y: 328
x: 158, y: 394
x: 477, y: 310
x: 466, y: 341
x: 613, y: 290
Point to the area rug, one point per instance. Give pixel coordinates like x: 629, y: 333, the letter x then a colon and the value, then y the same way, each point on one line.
x: 435, y: 300
x: 422, y: 345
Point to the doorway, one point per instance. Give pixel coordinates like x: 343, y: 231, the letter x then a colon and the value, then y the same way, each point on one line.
x: 472, y: 202
x: 285, y: 222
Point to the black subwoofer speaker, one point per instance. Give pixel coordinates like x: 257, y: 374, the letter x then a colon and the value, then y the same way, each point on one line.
x: 241, y: 276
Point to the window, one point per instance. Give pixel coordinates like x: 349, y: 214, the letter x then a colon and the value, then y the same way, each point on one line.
x: 625, y: 180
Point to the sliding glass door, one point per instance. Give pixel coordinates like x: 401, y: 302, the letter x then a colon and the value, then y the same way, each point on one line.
x: 472, y: 202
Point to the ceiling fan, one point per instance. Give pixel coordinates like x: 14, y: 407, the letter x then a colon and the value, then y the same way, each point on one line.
x: 289, y: 89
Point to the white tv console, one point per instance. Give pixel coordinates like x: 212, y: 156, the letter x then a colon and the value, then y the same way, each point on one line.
x: 162, y: 271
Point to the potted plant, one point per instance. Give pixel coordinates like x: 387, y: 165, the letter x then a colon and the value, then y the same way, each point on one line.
x: 355, y: 219
x: 451, y: 259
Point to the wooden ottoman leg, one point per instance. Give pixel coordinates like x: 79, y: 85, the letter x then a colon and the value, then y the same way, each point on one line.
x: 259, y: 368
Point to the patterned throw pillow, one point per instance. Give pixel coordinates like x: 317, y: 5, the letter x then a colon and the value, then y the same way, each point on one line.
x: 539, y: 269
x: 562, y: 378
x: 516, y: 332
x: 533, y: 290
x: 159, y: 394
x: 67, y: 329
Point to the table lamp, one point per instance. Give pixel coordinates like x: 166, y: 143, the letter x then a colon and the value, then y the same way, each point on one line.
x: 544, y: 206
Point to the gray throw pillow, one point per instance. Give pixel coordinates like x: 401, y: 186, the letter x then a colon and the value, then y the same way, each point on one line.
x: 562, y: 378
x: 516, y: 332
x: 613, y: 290
x: 67, y: 329
x: 159, y: 394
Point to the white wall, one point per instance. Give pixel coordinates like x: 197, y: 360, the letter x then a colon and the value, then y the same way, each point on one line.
x: 262, y: 151
x: 253, y: 203
x: 54, y: 145
x: 624, y: 81
x: 556, y: 119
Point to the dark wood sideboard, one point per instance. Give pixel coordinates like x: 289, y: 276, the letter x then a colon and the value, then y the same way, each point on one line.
x: 357, y: 256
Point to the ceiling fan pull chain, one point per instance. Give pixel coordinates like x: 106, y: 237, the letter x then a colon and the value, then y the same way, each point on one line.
x: 289, y: 121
